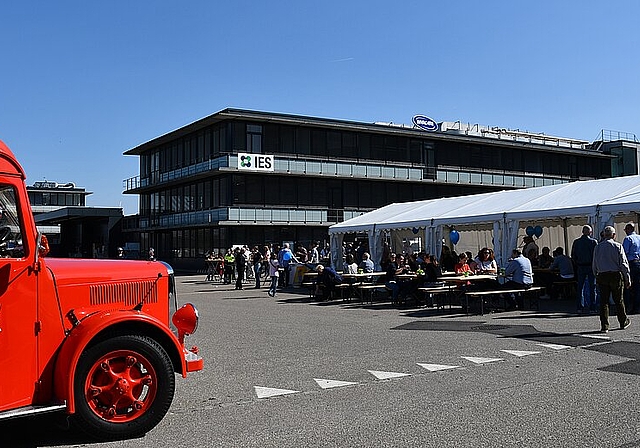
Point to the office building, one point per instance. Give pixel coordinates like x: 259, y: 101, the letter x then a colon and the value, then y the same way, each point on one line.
x: 248, y: 177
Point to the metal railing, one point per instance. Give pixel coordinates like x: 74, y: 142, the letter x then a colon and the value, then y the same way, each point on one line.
x: 607, y: 135
x: 243, y: 215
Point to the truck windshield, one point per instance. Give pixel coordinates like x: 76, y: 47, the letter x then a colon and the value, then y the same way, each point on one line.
x: 10, y: 228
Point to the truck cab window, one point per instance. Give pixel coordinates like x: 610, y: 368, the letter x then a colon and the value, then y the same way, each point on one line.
x: 10, y: 225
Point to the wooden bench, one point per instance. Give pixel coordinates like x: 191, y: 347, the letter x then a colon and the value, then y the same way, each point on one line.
x: 343, y: 288
x: 526, y: 293
x: 311, y: 286
x: 566, y: 288
x: 371, y: 288
x: 434, y: 292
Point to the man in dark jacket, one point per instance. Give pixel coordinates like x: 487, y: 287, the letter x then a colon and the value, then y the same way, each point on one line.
x: 326, y: 282
x: 582, y: 256
x: 241, y: 265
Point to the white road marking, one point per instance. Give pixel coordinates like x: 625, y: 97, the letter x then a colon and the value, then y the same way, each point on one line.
x: 555, y: 346
x: 328, y: 384
x: 266, y: 392
x: 519, y: 353
x: 436, y: 367
x: 593, y: 336
x: 476, y: 360
x: 386, y: 375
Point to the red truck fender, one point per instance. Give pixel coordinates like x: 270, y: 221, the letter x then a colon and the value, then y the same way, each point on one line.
x: 89, y: 328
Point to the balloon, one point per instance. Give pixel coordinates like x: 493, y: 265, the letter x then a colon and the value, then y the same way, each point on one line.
x: 454, y: 236
x: 530, y: 231
x: 537, y: 231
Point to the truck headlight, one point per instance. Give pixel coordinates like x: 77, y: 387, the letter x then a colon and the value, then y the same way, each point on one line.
x: 185, y: 320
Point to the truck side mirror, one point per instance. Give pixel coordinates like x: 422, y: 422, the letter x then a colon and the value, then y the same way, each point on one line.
x: 43, y: 245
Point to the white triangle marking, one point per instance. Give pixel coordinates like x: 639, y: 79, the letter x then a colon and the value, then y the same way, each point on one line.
x: 436, y: 367
x: 481, y: 360
x: 519, y: 353
x: 266, y: 392
x: 328, y: 384
x: 386, y: 375
x: 555, y: 346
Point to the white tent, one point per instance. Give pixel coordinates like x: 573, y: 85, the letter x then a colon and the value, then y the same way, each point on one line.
x: 502, y: 214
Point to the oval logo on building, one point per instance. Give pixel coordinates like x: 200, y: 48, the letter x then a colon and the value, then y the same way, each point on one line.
x: 425, y: 123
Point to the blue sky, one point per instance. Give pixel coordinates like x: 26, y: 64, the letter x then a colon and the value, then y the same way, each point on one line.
x: 82, y: 82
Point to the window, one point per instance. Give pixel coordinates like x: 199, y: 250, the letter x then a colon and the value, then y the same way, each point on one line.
x: 254, y: 138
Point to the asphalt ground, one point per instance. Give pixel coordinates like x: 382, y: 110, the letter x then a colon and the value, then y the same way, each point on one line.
x: 375, y: 375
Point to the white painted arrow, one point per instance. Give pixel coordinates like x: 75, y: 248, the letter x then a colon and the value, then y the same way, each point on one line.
x: 519, y: 353
x: 476, y: 360
x: 386, y: 375
x: 555, y: 346
x: 328, y: 384
x: 266, y: 392
x: 436, y: 367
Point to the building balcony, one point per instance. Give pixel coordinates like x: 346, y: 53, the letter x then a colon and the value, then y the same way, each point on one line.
x: 353, y: 169
x: 246, y: 215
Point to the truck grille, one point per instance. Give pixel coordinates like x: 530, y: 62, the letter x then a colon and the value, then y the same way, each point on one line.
x: 130, y: 293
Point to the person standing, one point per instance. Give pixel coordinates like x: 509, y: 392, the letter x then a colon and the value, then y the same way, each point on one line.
x: 582, y: 256
x: 229, y: 262
x: 285, y: 257
x: 314, y: 254
x: 274, y: 273
x: 241, y: 264
x: 611, y: 269
x: 256, y: 260
x: 631, y: 245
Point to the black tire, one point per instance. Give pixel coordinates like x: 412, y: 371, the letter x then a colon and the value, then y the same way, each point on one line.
x: 123, y: 387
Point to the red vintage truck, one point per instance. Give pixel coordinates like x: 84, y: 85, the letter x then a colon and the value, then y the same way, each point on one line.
x: 100, y: 340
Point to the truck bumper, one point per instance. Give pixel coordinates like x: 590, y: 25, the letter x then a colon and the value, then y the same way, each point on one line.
x: 193, y: 361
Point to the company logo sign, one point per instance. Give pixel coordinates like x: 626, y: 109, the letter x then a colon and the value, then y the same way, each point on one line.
x: 255, y: 162
x: 425, y: 123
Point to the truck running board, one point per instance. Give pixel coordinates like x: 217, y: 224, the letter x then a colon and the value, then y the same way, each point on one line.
x: 31, y: 410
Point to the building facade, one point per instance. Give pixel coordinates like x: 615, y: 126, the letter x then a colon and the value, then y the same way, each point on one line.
x: 72, y: 228
x: 248, y: 177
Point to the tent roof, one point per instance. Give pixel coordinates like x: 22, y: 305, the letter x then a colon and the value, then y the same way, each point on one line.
x: 580, y: 198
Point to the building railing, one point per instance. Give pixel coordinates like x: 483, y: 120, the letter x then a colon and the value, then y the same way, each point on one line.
x: 446, y: 174
x: 612, y: 136
x: 244, y: 215
x: 457, y: 176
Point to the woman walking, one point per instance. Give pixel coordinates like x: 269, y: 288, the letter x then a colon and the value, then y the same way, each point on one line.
x: 274, y: 273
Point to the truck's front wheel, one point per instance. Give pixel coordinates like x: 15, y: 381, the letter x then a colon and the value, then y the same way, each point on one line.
x: 123, y: 387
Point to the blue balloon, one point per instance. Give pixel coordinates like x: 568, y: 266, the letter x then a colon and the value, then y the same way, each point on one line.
x: 454, y: 236
x: 530, y: 231
x: 537, y: 231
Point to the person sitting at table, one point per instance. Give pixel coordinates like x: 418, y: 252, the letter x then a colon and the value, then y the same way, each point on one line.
x: 412, y: 261
x: 350, y: 266
x: 366, y: 264
x: 432, y: 271
x: 396, y: 266
x: 561, y: 269
x: 519, y: 275
x: 545, y: 259
x: 485, y: 262
x: 462, y: 266
x: 326, y: 281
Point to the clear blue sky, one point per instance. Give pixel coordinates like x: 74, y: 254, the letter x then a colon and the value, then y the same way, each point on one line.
x: 82, y: 81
